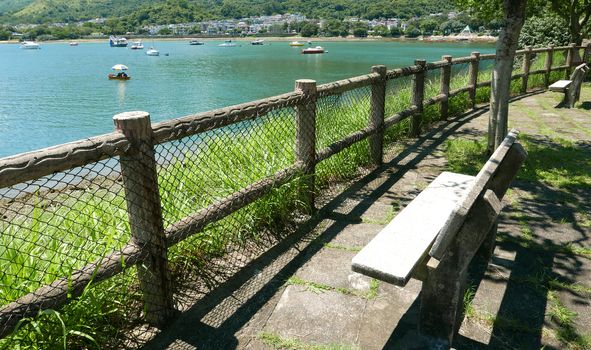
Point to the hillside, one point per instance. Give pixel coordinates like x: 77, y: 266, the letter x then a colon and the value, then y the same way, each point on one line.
x: 161, y: 11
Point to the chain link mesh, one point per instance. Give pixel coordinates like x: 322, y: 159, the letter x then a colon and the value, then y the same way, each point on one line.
x: 197, y: 172
x: 51, y: 228
x: 337, y: 117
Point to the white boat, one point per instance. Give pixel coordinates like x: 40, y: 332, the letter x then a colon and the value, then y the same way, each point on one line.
x: 137, y: 45
x: 73, y: 43
x: 258, y: 42
x: 227, y: 43
x: 30, y: 45
x: 117, y: 42
x: 313, y: 50
x: 296, y: 43
x: 196, y: 42
x: 153, y: 52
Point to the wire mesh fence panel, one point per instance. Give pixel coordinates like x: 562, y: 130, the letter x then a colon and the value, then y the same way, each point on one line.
x: 398, y: 98
x: 339, y: 116
x: 53, y: 227
x: 198, y: 176
x: 195, y: 172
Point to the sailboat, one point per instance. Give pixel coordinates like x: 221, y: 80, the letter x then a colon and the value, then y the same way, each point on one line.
x: 152, y: 52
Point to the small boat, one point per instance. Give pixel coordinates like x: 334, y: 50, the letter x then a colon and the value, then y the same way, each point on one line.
x: 117, y: 42
x: 196, y: 42
x: 296, y: 43
x: 30, y: 45
x: 137, y: 45
x: 119, y: 76
x: 153, y: 52
x: 258, y: 42
x: 309, y: 42
x: 73, y: 43
x: 312, y: 50
x: 227, y: 43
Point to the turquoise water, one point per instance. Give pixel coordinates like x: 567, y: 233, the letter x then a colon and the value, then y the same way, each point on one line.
x: 61, y: 93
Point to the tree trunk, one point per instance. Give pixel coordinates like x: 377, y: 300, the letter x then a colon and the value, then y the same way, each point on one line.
x: 501, y: 75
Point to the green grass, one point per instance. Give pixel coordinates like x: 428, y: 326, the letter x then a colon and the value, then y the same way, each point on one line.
x: 80, y: 226
x: 277, y: 342
x: 318, y: 288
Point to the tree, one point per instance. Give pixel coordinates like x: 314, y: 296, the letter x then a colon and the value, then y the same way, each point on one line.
x: 513, y: 12
x: 412, y: 32
x: 544, y: 31
x: 360, y: 30
x: 381, y: 30
x: 395, y: 32
x: 309, y: 29
x: 576, y: 13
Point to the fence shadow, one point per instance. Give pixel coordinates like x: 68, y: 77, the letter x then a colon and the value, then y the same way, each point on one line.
x: 278, y: 264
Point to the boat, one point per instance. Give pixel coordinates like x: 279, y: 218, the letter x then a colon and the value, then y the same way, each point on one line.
x: 258, y: 42
x: 227, y: 43
x: 196, y: 42
x: 121, y: 75
x: 309, y: 42
x: 296, y: 43
x: 73, y: 43
x: 137, y: 45
x: 312, y: 50
x: 30, y: 45
x: 117, y: 42
x: 153, y: 52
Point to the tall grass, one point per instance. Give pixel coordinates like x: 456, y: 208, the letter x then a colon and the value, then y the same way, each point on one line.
x: 84, y: 225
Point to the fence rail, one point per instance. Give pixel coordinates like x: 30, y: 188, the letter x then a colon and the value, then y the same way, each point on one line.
x: 132, y: 149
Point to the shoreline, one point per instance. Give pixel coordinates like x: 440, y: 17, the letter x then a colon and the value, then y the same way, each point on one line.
x: 431, y: 39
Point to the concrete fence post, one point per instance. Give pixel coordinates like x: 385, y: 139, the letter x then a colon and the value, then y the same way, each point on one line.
x: 140, y: 182
x: 306, y: 138
x: 473, y: 77
x: 418, y: 95
x: 376, y: 121
x: 526, y: 68
x: 444, y: 89
x: 570, y: 58
x: 548, y: 65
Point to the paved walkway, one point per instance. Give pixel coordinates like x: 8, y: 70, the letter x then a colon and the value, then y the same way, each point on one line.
x: 536, y: 291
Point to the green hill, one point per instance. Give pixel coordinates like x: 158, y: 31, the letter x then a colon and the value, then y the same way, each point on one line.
x: 174, y: 11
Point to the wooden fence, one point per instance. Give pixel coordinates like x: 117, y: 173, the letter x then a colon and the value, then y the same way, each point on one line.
x: 134, y: 142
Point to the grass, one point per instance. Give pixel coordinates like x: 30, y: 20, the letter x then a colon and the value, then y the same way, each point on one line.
x: 81, y: 225
x: 277, y: 342
x: 318, y: 288
x: 563, y: 166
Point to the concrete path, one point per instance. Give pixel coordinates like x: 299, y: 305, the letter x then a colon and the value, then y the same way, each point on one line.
x: 535, y: 292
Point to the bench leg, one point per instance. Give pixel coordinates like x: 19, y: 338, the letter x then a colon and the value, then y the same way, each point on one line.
x: 487, y: 248
x: 442, y: 295
x: 442, y: 304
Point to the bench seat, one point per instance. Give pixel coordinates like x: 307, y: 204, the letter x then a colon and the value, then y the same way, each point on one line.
x: 402, y: 245
x: 560, y: 86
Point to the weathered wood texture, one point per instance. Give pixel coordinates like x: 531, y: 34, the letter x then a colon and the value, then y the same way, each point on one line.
x: 376, y: 120
x: 418, y: 95
x: 527, y: 56
x: 34, y: 165
x: 140, y: 181
x: 548, y: 65
x: 179, y: 128
x: 306, y: 138
x: 473, y: 77
x: 444, y: 87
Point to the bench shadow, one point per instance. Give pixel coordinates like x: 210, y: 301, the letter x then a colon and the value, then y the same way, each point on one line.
x: 191, y: 330
x: 526, y: 264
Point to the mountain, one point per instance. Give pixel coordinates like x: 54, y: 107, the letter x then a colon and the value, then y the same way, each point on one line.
x: 161, y: 11
x: 7, y: 6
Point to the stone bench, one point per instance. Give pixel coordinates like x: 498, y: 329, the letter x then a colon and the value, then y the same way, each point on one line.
x: 435, y: 237
x: 571, y: 88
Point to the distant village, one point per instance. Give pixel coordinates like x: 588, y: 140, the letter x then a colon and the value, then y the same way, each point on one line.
x: 275, y: 25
